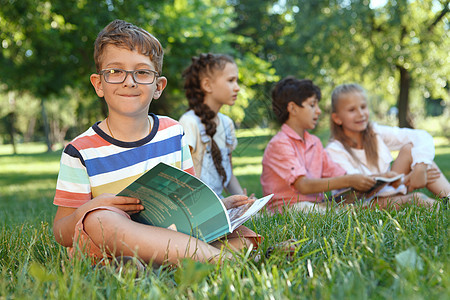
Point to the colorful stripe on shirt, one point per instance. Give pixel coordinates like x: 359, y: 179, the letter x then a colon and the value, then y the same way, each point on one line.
x: 93, y: 163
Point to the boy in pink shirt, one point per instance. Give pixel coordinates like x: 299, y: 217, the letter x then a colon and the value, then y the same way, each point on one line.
x: 296, y: 168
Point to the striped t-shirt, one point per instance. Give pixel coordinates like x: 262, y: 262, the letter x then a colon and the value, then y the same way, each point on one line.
x: 95, y: 163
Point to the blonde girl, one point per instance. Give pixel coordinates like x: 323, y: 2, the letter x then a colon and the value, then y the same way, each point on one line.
x: 364, y: 147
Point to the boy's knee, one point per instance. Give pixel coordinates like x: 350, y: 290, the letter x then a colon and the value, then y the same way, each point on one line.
x: 94, y: 218
x: 102, y: 219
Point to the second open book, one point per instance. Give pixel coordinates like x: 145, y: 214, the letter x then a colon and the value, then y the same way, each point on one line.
x: 379, y: 189
x: 174, y: 199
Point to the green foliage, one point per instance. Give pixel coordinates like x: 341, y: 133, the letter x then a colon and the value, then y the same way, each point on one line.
x: 47, y: 49
x: 348, y: 41
x: 398, y: 52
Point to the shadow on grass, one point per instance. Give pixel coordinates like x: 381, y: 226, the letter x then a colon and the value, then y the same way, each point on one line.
x: 251, y: 146
x: 23, y: 179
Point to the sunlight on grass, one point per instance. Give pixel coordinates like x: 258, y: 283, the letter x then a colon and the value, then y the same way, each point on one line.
x: 441, y: 141
x: 30, y: 167
x: 240, y: 133
x: 34, y: 186
x: 26, y: 148
x: 28, y: 174
x: 442, y: 145
x: 440, y: 151
x: 248, y: 170
x: 247, y: 165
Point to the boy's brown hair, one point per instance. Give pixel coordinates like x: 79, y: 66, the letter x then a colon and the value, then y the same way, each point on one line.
x: 126, y: 35
x: 292, y: 89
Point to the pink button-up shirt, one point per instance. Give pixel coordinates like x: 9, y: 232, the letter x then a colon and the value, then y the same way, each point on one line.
x: 286, y: 158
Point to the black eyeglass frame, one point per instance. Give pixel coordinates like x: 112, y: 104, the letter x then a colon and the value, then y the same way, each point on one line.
x: 102, y: 72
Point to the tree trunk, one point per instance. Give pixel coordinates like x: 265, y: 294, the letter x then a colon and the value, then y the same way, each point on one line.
x: 404, y: 118
x: 11, y: 121
x: 28, y: 136
x: 46, y: 126
x: 12, y: 130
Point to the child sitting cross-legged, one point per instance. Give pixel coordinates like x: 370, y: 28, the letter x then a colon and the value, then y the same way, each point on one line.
x: 114, y: 152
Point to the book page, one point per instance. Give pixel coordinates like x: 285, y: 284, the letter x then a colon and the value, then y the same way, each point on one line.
x: 389, y: 179
x: 244, y: 212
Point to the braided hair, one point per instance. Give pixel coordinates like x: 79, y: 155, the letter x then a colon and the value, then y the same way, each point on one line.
x: 205, y: 65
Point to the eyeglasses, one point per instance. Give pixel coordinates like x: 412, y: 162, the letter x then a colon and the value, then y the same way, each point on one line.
x: 139, y: 76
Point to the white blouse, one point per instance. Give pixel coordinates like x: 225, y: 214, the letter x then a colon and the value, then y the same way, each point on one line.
x: 388, y: 139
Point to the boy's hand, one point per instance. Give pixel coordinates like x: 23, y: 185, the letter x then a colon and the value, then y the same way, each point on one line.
x: 127, y: 204
x: 236, y: 200
x: 361, y: 182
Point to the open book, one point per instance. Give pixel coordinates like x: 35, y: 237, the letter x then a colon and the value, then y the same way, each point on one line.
x: 351, y: 195
x: 174, y: 199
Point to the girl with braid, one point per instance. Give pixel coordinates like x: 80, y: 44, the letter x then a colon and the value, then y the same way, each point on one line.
x: 211, y: 81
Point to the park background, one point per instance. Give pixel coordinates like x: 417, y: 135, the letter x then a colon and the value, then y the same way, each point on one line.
x: 397, y: 50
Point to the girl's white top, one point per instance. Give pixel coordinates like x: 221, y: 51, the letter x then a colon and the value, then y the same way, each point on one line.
x: 389, y: 139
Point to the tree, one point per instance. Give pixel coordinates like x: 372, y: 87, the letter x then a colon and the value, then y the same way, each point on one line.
x: 48, y: 45
x: 339, y: 41
x: 43, y: 51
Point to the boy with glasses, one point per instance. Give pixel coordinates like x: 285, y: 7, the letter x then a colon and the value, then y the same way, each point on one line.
x: 113, y: 153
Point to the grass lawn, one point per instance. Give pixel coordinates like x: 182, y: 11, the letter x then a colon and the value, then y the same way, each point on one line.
x: 354, y: 253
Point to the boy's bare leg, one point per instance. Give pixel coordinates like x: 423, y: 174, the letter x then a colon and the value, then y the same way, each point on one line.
x: 123, y: 237
x: 397, y: 202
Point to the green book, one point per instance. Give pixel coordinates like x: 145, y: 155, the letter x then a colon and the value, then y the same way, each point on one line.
x: 173, y: 198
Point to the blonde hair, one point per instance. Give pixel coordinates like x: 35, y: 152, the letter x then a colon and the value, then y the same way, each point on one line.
x: 128, y: 36
x: 369, y: 141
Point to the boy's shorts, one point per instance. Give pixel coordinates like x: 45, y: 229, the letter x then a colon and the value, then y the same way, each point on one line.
x: 84, y: 243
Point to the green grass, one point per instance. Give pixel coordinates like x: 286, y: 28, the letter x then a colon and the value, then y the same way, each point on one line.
x: 351, y: 254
